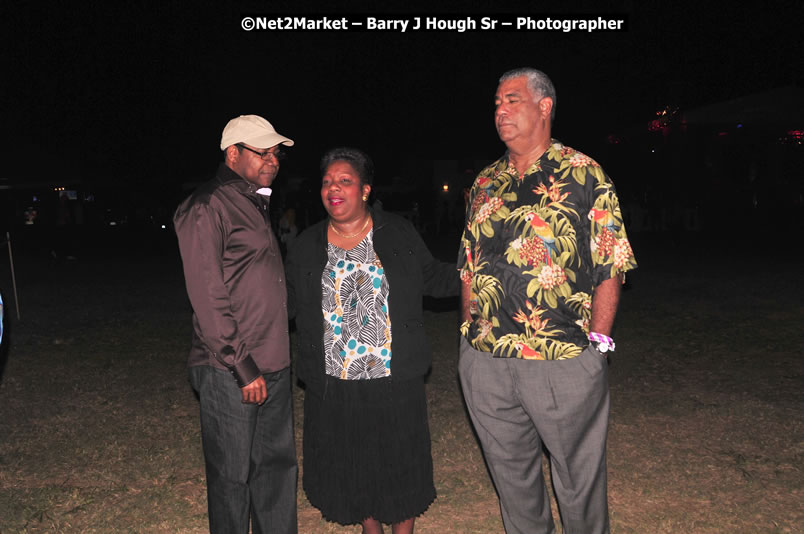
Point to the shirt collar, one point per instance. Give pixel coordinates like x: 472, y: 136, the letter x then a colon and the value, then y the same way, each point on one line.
x: 543, y: 162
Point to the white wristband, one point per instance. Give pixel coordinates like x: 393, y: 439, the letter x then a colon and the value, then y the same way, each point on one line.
x: 602, y: 343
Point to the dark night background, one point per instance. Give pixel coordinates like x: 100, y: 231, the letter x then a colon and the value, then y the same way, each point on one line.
x: 696, y: 112
x: 127, y: 101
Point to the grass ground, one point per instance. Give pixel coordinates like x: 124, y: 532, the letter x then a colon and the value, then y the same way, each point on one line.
x: 99, y: 428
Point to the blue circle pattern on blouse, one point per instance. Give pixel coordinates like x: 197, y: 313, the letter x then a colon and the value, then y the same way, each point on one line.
x: 371, y: 293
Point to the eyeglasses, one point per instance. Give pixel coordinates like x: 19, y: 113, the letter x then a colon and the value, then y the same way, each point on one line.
x: 265, y: 154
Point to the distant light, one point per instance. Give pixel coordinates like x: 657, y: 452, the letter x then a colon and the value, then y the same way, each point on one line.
x: 793, y: 137
x: 163, y: 227
x: 652, y: 150
x: 740, y: 125
x: 723, y: 134
x: 113, y: 223
x: 445, y: 188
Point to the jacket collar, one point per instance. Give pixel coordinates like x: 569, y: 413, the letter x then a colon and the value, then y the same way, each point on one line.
x: 227, y: 176
x: 379, y: 218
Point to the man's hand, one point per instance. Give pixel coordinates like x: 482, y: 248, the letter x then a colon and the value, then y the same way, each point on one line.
x: 256, y: 392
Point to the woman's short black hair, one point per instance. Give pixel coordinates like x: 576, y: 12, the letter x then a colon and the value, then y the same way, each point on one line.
x: 358, y: 159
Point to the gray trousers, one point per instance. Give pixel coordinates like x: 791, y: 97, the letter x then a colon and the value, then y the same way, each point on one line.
x: 516, y: 406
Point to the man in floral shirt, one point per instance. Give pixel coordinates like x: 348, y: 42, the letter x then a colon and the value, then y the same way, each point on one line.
x: 542, y: 259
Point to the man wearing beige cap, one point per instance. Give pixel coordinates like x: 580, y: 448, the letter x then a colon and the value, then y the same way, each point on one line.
x: 239, y: 361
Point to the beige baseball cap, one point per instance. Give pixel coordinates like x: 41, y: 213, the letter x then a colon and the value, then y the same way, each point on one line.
x: 252, y: 130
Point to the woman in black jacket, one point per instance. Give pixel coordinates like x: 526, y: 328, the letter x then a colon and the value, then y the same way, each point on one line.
x: 355, y: 286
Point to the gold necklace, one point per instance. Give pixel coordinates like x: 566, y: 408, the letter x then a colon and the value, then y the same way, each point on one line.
x: 353, y: 235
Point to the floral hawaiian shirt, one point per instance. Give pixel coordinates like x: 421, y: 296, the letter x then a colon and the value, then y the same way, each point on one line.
x: 534, y: 248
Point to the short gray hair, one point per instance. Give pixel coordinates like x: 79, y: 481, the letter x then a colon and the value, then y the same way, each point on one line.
x: 538, y: 83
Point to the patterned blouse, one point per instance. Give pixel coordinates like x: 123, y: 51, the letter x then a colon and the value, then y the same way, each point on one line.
x: 357, y: 327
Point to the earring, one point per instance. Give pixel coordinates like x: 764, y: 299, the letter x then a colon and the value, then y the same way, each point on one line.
x: 365, y: 198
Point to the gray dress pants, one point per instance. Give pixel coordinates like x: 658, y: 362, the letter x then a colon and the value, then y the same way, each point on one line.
x: 517, y: 406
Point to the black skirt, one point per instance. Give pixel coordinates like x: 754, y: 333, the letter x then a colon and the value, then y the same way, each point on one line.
x: 367, y: 450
